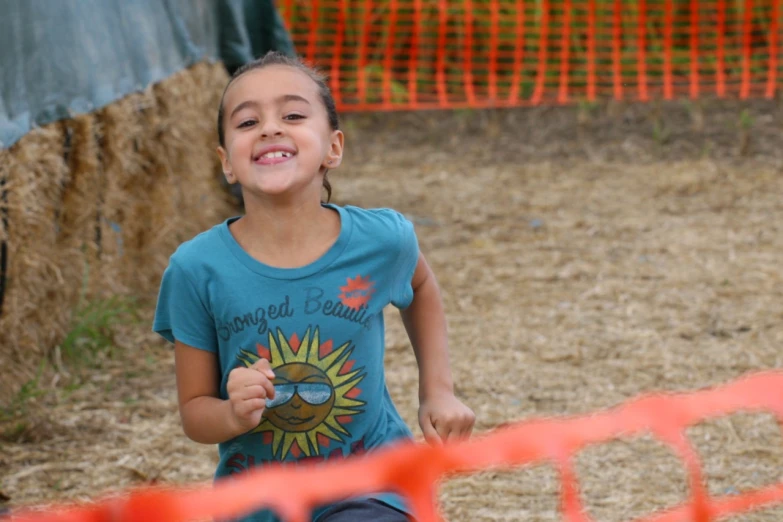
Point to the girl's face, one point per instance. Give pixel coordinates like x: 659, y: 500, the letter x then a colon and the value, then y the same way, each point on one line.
x: 278, y: 142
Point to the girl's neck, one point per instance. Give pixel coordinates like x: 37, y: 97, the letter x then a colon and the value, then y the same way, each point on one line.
x: 287, y: 235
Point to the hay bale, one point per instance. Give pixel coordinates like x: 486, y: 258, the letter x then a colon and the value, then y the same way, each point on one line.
x: 39, y: 281
x: 129, y: 136
x: 162, y: 176
x: 93, y: 207
x: 184, y: 198
x: 79, y: 200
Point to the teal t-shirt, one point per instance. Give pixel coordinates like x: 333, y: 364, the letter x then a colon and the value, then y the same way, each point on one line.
x: 320, y: 326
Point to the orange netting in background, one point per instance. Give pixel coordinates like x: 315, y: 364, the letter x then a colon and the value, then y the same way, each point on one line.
x: 418, y: 54
x: 415, y: 469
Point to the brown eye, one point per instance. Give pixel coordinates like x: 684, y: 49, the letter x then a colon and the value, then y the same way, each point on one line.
x: 245, y: 124
x: 293, y: 117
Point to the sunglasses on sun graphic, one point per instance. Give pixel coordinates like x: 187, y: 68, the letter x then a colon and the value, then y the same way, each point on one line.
x: 313, y: 393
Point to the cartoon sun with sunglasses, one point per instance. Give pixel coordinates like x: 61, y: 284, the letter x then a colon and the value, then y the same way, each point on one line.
x: 315, y: 392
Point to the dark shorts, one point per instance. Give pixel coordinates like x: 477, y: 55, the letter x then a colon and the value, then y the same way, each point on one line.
x: 364, y: 510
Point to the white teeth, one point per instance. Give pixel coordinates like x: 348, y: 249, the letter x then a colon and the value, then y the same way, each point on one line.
x: 277, y: 154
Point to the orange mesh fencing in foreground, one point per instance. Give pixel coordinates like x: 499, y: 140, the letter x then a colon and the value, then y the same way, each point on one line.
x: 415, y: 469
x: 418, y: 54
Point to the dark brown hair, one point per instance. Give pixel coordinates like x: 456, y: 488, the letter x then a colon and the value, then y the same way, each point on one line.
x: 276, y: 58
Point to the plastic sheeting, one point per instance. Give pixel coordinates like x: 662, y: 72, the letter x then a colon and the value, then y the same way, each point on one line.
x: 59, y: 58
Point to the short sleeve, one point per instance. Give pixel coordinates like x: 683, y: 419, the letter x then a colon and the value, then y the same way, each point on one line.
x: 405, y: 266
x: 181, y: 313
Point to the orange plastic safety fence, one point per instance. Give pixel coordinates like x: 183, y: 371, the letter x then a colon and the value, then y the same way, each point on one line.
x: 418, y: 54
x: 414, y: 469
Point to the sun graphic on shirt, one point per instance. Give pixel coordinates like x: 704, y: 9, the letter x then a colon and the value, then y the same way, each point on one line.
x: 357, y: 292
x: 315, y: 393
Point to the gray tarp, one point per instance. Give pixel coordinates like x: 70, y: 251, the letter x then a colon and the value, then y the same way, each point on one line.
x: 64, y: 57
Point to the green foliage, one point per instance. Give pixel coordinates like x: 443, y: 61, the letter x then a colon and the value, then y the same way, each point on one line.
x: 746, y: 120
x: 92, y: 330
x: 13, y: 415
x: 661, y: 133
x: 374, y: 75
x: 586, y: 110
x: 90, y: 338
x: 29, y: 391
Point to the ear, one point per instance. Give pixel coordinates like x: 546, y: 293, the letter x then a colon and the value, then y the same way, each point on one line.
x: 335, y: 155
x: 226, y: 164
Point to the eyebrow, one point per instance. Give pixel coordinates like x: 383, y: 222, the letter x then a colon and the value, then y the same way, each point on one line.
x: 282, y: 99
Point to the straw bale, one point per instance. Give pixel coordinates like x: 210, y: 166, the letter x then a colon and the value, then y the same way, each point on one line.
x: 82, y: 195
x: 162, y: 175
x: 41, y: 281
x: 189, y: 181
x: 130, y: 169
x: 96, y: 205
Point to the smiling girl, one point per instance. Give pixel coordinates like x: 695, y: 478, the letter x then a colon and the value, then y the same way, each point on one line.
x: 277, y: 316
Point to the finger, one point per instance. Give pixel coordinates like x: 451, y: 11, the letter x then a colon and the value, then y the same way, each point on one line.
x: 248, y: 407
x: 253, y: 391
x: 429, y: 431
x: 462, y: 433
x: 443, y: 427
x: 257, y: 385
x: 269, y: 388
x: 445, y: 432
x: 263, y: 366
x: 244, y: 377
x: 466, y: 426
x: 471, y: 424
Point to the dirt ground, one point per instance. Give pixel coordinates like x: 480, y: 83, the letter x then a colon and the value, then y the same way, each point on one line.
x: 585, y: 256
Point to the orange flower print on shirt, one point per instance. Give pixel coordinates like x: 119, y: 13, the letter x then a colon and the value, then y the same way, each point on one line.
x: 357, y: 292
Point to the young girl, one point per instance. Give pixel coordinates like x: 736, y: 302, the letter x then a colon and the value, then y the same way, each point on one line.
x: 277, y: 315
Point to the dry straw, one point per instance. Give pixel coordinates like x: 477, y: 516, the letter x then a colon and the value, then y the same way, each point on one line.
x: 93, y: 207
x: 40, y: 261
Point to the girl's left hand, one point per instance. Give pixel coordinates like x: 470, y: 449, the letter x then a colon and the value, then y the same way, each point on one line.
x: 445, y: 418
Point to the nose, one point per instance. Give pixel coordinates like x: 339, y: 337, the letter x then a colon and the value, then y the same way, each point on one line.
x: 296, y: 402
x: 271, y: 128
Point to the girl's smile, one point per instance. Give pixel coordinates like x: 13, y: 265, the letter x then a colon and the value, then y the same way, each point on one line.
x: 273, y: 154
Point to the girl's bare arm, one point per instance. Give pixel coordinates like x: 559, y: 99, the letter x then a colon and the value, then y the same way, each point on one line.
x: 441, y: 415
x: 207, y: 418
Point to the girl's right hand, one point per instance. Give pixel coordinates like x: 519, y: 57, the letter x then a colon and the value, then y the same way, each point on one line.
x: 248, y: 390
